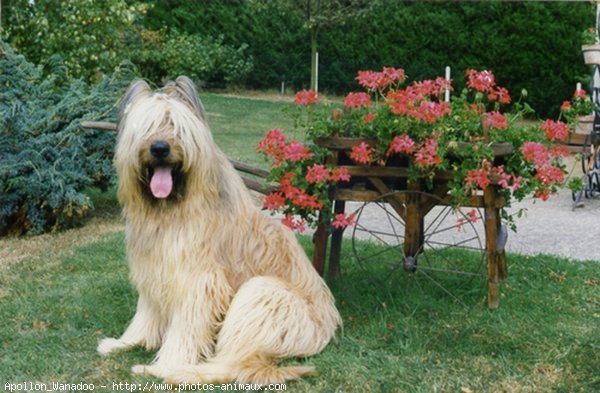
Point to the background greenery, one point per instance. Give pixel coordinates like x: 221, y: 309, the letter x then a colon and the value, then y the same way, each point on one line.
x: 259, y: 43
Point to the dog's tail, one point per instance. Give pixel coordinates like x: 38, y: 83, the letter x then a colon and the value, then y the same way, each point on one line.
x: 255, y: 370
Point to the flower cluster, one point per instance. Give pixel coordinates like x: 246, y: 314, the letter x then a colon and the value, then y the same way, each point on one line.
x: 579, y: 105
x: 418, y: 128
x: 303, y: 181
x: 275, y: 145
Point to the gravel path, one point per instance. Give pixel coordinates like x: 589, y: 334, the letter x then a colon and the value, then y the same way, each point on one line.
x: 550, y: 227
x: 553, y: 227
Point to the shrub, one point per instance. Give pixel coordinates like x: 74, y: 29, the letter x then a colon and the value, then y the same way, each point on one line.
x: 47, y: 160
x: 204, y: 58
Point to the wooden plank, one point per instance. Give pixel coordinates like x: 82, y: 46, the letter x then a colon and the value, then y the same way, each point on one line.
x: 376, y: 171
x: 395, y: 200
x: 259, y: 186
x: 345, y: 194
x: 320, y: 238
x: 335, y: 250
x: 99, y: 125
x: 576, y: 139
x: 342, y: 143
x: 247, y: 168
x: 491, y: 228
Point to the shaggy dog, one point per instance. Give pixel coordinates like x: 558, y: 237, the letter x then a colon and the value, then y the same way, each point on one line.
x: 225, y: 293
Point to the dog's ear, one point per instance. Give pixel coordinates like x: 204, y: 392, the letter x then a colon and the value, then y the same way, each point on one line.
x: 138, y: 88
x: 184, y: 89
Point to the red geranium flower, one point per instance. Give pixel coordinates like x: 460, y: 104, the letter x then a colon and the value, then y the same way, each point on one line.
x: 480, y: 80
x: 357, y: 100
x: 306, y: 97
x: 361, y: 153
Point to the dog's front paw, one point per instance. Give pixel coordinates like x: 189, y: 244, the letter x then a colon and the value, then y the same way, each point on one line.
x: 152, y: 369
x: 139, y: 369
x: 110, y: 345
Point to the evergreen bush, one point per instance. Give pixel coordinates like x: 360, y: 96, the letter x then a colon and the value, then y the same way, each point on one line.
x: 46, y: 159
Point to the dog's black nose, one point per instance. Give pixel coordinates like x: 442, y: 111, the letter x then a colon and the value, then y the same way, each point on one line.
x: 160, y: 149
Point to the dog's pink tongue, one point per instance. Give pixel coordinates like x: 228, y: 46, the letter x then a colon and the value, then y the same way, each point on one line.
x: 161, y: 183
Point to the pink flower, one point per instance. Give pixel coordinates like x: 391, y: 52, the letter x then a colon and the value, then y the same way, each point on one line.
x: 274, y: 201
x: 499, y: 94
x: 555, y: 130
x: 580, y: 93
x: 431, y: 88
x: 504, y: 177
x: 481, y: 81
x: 402, y: 144
x: 566, y: 105
x: 295, y: 151
x: 516, y: 183
x: 368, y: 118
x: 357, y: 100
x: 559, y: 151
x: 535, y: 152
x: 293, y: 223
x: 306, y: 97
x: 372, y: 80
x: 317, y: 174
x: 369, y: 79
x: 427, y: 156
x: 394, y: 75
x: 495, y: 119
x: 272, y: 145
x: 342, y: 221
x: 479, y: 177
x: 340, y: 174
x: 473, y: 216
x: 431, y: 111
x: 549, y: 175
x: 361, y: 153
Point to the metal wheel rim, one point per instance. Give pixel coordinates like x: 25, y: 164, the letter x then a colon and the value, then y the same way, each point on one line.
x: 429, y: 255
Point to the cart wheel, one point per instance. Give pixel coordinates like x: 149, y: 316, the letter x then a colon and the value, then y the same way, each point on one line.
x: 587, y: 149
x: 449, y: 259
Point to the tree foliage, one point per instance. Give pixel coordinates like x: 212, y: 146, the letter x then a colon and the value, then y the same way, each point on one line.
x: 529, y: 45
x: 47, y: 160
x: 92, y: 37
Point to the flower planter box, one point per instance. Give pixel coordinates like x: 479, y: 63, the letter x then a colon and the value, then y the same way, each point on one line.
x: 591, y: 54
x: 396, y: 169
x: 412, y: 200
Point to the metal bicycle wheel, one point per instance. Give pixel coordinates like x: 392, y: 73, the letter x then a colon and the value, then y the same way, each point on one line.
x: 448, y: 259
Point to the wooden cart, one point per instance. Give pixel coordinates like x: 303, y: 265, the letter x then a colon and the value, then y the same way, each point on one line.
x: 409, y: 201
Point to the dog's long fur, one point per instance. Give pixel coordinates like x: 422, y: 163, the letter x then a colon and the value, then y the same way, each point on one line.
x: 225, y: 293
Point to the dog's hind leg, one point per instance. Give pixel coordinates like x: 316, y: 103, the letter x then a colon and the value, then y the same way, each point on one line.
x: 266, y: 322
x: 145, y: 329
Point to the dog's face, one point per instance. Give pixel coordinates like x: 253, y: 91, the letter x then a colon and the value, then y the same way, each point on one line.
x: 164, y: 142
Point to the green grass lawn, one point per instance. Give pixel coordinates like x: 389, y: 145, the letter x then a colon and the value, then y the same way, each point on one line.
x: 238, y: 124
x: 56, y: 303
x: 545, y: 337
